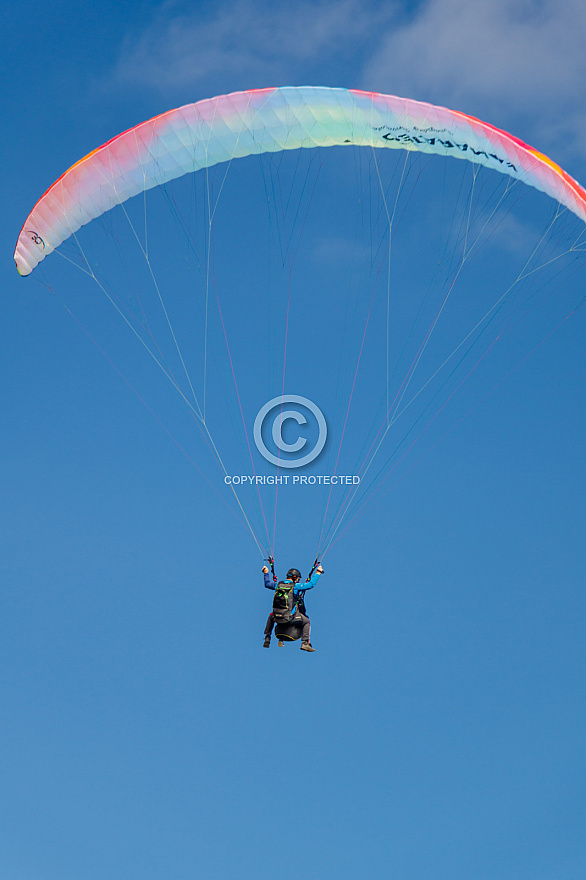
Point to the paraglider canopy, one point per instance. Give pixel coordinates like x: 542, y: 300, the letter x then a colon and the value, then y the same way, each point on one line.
x: 270, y: 120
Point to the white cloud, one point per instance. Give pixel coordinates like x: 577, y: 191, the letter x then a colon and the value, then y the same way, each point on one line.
x: 249, y: 43
x: 505, y: 60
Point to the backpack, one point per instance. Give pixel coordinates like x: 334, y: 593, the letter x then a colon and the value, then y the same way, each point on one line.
x: 284, y: 601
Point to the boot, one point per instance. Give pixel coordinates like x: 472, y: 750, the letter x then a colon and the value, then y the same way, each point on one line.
x: 281, y: 644
x: 267, y: 643
x: 305, y: 646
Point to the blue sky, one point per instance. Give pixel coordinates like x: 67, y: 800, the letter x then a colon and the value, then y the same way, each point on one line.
x: 145, y: 733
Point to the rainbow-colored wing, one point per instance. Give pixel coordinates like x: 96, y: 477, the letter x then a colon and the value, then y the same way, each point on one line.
x: 268, y: 120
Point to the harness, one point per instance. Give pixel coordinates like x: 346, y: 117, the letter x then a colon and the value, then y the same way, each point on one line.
x: 300, y: 594
x: 290, y: 630
x: 300, y: 602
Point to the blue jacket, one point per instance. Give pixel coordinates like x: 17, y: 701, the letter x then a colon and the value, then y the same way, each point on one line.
x: 270, y: 584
